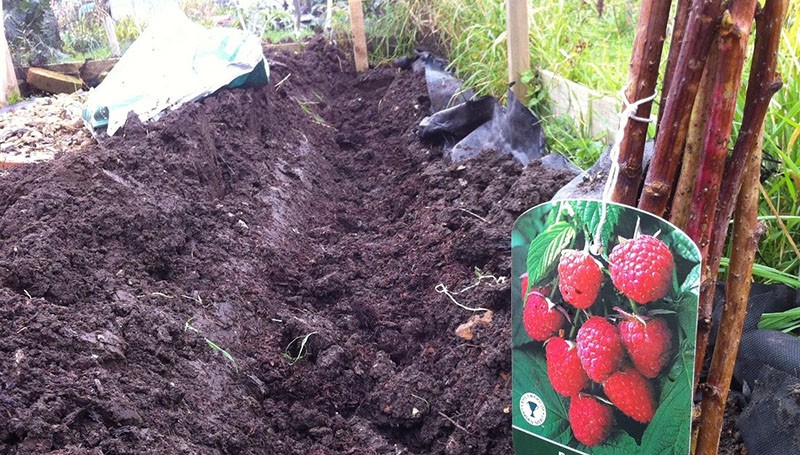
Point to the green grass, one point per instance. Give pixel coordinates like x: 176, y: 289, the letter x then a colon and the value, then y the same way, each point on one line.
x: 782, y: 143
x: 788, y: 321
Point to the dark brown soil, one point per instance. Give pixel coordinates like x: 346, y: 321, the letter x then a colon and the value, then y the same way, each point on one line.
x: 254, y: 220
x: 156, y: 289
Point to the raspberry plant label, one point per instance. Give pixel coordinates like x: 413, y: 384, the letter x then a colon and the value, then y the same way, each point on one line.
x: 604, y: 319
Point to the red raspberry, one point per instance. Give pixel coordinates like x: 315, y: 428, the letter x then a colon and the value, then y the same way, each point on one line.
x: 590, y: 420
x: 599, y: 348
x: 648, y: 342
x: 579, y: 278
x: 564, y: 368
x: 641, y: 268
x: 540, y: 317
x: 632, y: 394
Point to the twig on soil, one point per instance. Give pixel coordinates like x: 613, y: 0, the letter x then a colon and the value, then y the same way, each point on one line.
x: 301, y: 352
x: 442, y: 289
x: 475, y: 215
x: 161, y: 294
x: 455, y: 423
x: 427, y: 405
x: 280, y: 82
x: 196, y: 298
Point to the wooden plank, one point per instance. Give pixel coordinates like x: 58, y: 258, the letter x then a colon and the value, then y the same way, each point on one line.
x: 111, y: 34
x: 359, y: 35
x: 519, y: 56
x: 284, y: 47
x: 597, y: 112
x: 94, y: 71
x: 8, y: 79
x: 53, y: 82
x: 91, y: 72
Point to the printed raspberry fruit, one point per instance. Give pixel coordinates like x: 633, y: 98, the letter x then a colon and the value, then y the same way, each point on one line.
x: 632, y: 394
x: 648, y: 342
x: 599, y: 348
x: 564, y: 368
x: 590, y: 420
x: 540, y: 317
x: 579, y: 278
x: 641, y: 268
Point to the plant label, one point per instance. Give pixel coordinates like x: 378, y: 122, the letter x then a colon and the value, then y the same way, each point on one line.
x: 604, y: 319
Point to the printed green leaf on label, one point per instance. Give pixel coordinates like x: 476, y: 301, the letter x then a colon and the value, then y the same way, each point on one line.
x: 668, y: 432
x: 590, y: 214
x: 545, y: 250
x: 681, y: 245
x: 619, y: 443
x: 691, y: 284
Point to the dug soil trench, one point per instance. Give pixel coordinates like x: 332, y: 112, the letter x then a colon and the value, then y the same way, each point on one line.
x: 257, y: 274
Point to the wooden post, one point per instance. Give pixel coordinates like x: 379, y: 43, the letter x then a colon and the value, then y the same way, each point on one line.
x: 111, y: 34
x: 328, y: 16
x: 519, y: 56
x: 8, y: 79
x: 359, y: 36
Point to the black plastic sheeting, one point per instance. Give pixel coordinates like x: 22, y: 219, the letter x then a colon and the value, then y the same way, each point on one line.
x: 468, y: 125
x: 767, y: 374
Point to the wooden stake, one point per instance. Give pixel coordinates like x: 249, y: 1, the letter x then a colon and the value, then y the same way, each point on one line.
x: 111, y: 34
x: 359, y: 36
x: 328, y: 17
x: 8, y: 79
x: 519, y: 56
x: 645, y: 60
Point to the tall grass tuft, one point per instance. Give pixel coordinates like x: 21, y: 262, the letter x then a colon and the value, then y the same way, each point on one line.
x: 782, y: 149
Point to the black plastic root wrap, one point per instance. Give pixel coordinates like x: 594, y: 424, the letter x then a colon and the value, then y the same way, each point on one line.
x: 767, y: 373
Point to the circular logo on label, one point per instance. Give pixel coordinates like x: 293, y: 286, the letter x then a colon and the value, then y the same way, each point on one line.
x: 532, y: 409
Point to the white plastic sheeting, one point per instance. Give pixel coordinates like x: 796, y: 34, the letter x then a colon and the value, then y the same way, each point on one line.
x: 173, y: 62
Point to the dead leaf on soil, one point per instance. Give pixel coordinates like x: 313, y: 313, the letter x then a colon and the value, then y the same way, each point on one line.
x: 465, y: 330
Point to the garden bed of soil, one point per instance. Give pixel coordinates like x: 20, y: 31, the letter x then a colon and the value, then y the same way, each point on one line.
x: 257, y: 274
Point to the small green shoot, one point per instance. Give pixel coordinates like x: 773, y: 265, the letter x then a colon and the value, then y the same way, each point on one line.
x: 187, y: 326
x: 224, y: 353
x: 305, y: 106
